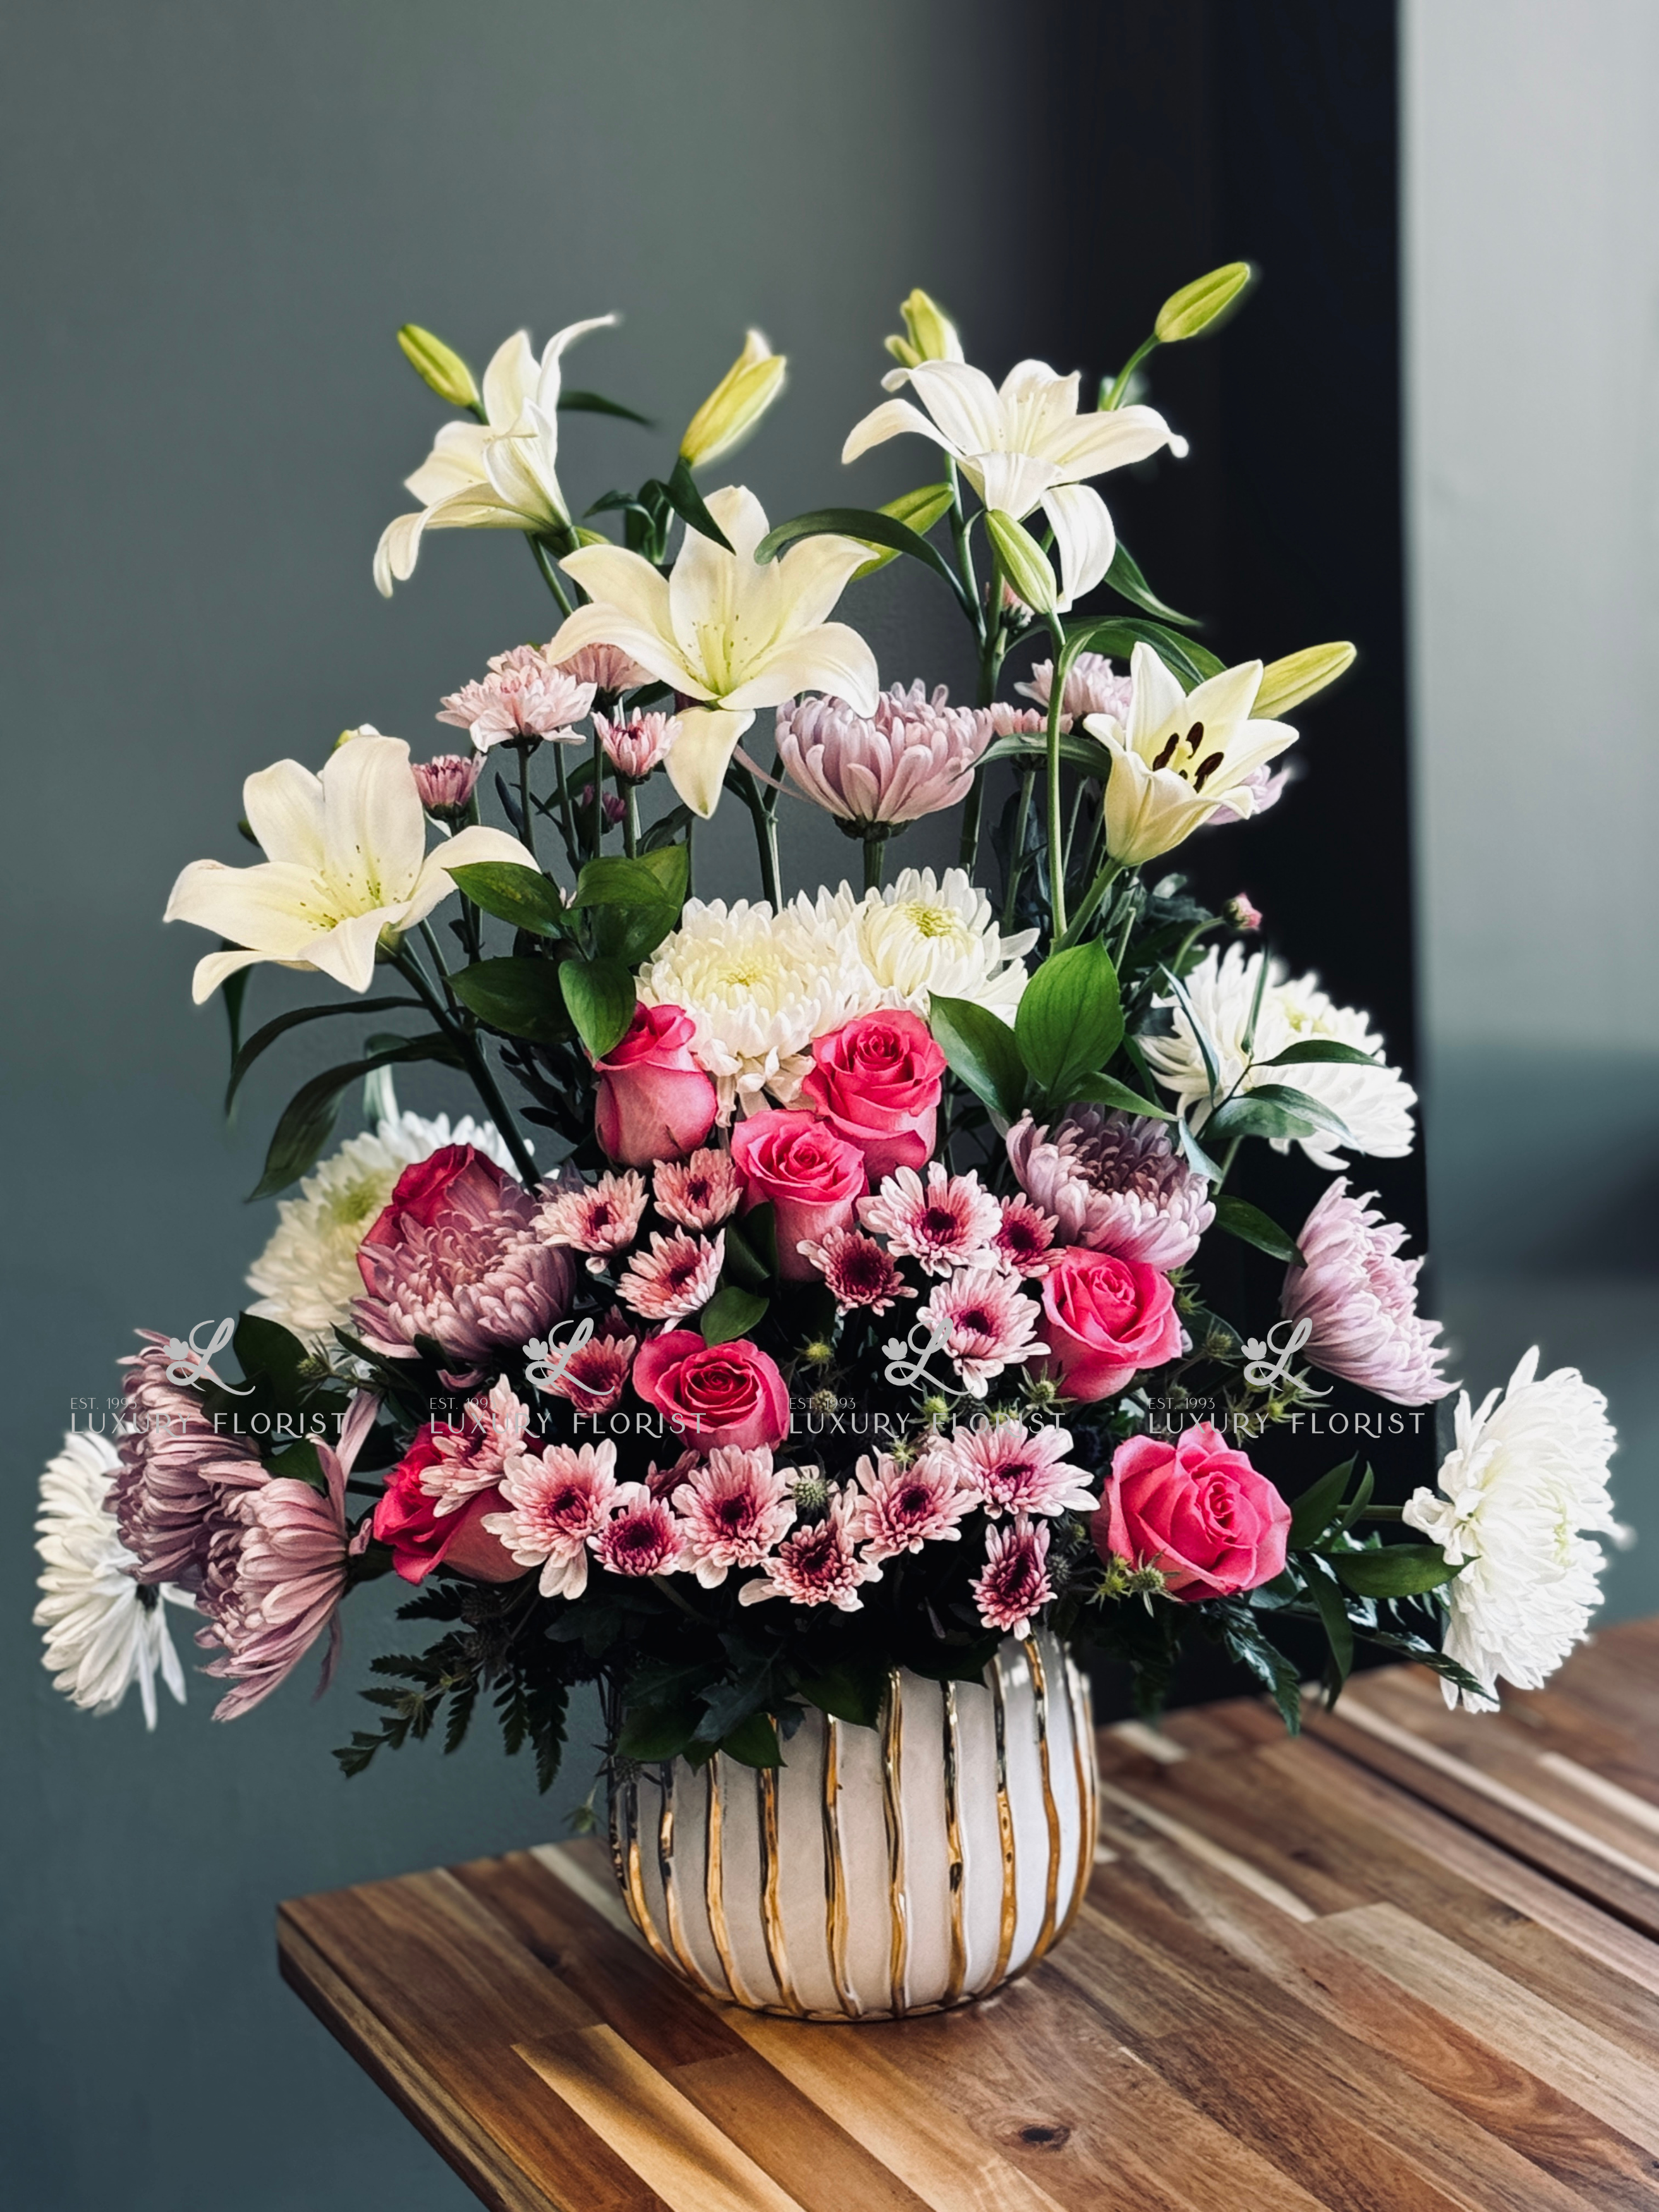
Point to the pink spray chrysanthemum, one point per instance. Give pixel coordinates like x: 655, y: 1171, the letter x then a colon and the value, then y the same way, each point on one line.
x: 948, y: 1221
x: 447, y: 783
x: 817, y: 1565
x: 902, y: 1508
x: 1090, y: 688
x: 474, y: 1456
x: 599, y: 1219
x: 733, y: 1511
x: 1007, y: 721
x: 606, y: 667
x: 524, y: 696
x: 699, y: 1192
x: 1025, y: 1244
x: 665, y: 1481
x: 557, y: 1498
x: 595, y: 1375
x: 984, y: 1324
x: 1012, y: 1469
x: 915, y: 756
x: 1113, y: 1183
x: 857, y: 1270
x: 178, y: 1479
x: 676, y: 1277
x: 637, y: 745
x: 1015, y: 1585
x: 642, y: 1536
x: 1360, y: 1298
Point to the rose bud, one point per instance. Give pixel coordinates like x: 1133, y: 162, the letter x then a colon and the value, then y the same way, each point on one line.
x: 1105, y: 1319
x: 877, y: 1082
x: 655, y: 1101
x: 812, y: 1178
x: 1197, y: 1510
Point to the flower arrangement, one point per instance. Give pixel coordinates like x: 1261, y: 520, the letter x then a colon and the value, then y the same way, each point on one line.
x: 822, y: 1289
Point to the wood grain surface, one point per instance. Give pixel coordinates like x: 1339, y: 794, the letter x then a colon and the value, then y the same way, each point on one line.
x: 1406, y: 1964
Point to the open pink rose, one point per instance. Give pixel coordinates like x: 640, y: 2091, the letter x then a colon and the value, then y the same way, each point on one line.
x: 655, y: 1101
x: 877, y: 1082
x: 813, y: 1178
x: 1106, y: 1318
x: 713, y: 1394
x: 456, y: 1179
x: 408, y: 1519
x: 1196, y: 1509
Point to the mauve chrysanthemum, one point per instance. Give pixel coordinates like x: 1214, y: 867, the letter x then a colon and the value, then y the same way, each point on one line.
x: 1025, y: 1244
x: 1012, y: 1469
x: 676, y: 1277
x: 524, y: 695
x: 446, y: 783
x: 857, y: 1270
x: 1113, y: 1183
x: 947, y: 1222
x: 635, y: 746
x: 1361, y: 1299
x: 699, y: 1192
x: 474, y: 1456
x: 1092, y: 688
x: 461, y: 1256
x: 642, y: 1536
x: 599, y: 1219
x: 817, y: 1565
x: 1015, y: 1585
x: 557, y: 1498
x: 606, y: 667
x: 732, y: 1511
x: 915, y: 756
x: 902, y: 1508
x: 178, y: 1477
x: 984, y: 1324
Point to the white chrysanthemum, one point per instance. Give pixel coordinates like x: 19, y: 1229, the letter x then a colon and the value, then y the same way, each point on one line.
x: 1526, y: 1478
x: 103, y: 1632
x: 923, y: 934
x: 306, y: 1276
x: 1374, y: 1104
x: 759, y: 986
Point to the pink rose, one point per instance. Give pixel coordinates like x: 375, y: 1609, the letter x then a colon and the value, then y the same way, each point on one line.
x: 408, y: 1520
x: 1197, y: 1509
x: 713, y: 1394
x: 457, y: 1178
x: 1107, y: 1318
x: 655, y: 1101
x: 813, y: 1177
x: 877, y: 1082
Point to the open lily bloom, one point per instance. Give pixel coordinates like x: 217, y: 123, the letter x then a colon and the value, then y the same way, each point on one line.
x: 347, y: 859
x: 499, y: 474
x: 1025, y: 447
x: 724, y: 629
x: 1182, y: 755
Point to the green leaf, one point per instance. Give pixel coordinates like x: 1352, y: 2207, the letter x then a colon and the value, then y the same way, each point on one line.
x: 1274, y: 1109
x: 919, y: 510
x: 234, y: 992
x: 263, y: 1039
x: 1394, y: 1571
x: 1243, y: 1641
x: 523, y: 896
x: 1107, y: 1090
x: 308, y: 1121
x: 1357, y: 1505
x: 870, y: 527
x: 1197, y: 1158
x: 753, y: 1742
x: 1126, y: 579
x: 1069, y: 1021
x: 1334, y: 1619
x: 1313, y: 1511
x: 664, y: 830
x: 981, y: 1051
x: 852, y: 1691
x: 1310, y: 1049
x: 520, y: 996
x: 687, y: 502
x: 298, y: 1462
x: 599, y: 994
x: 1203, y: 304
x: 1252, y: 1226
x: 1078, y: 750
x: 595, y: 403
x: 652, y: 880
x: 1119, y: 635
x: 743, y: 1262
x: 730, y: 1313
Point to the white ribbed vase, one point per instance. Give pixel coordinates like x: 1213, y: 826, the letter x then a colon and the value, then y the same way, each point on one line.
x: 881, y: 1871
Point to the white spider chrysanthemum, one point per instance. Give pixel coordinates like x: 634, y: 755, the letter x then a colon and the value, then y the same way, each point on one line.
x: 1518, y: 1493
x: 1374, y: 1104
x: 759, y: 986
x: 924, y: 934
x: 306, y: 1276
x: 103, y: 1632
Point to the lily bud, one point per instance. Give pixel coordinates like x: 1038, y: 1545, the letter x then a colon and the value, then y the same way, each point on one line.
x: 1285, y: 684
x: 736, y: 405
x: 438, y: 366
x: 1201, y: 304
x: 930, y: 333
x: 1023, y: 561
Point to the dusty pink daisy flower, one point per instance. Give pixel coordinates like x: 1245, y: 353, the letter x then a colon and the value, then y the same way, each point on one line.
x: 1025, y: 1244
x: 595, y: 1375
x: 676, y: 1277
x: 817, y: 1565
x: 1014, y: 1469
x: 1015, y: 1585
x: 984, y: 1324
x: 733, y: 1511
x: 606, y: 667
x: 857, y: 1270
x: 642, y: 1536
x: 947, y: 1222
x: 1090, y: 688
x: 1112, y: 1181
x: 473, y: 1456
x: 524, y: 696
x: 903, y: 1508
x: 178, y: 1479
x: 637, y: 745
x: 447, y: 783
x: 557, y: 1498
x: 599, y: 1219
x: 915, y: 756
x: 699, y: 1192
x: 1361, y: 1299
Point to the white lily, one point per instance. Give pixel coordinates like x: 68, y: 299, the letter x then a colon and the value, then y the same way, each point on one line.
x: 1182, y: 755
x: 347, y: 858
x: 499, y: 474
x: 725, y: 629
x: 1025, y: 447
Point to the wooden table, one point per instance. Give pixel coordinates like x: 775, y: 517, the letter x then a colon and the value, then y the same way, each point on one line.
x: 1408, y: 1962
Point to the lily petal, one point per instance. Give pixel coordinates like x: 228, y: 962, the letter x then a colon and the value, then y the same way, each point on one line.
x: 509, y: 380
x: 1084, y: 537
x: 213, y: 968
x: 1157, y: 702
x: 602, y: 623
x: 1223, y: 703
x: 1094, y: 443
x: 619, y: 579
x: 398, y: 551
x: 547, y: 387
x: 374, y: 825
x: 346, y: 952
x: 456, y: 461
x: 284, y: 806
x: 697, y: 765
x: 816, y: 572
x: 273, y: 908
x: 964, y: 403
x: 1011, y: 482
x: 831, y: 657
x: 891, y: 420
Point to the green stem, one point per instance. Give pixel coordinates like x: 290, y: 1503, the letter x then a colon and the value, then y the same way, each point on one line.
x: 526, y: 809
x: 598, y: 795
x: 1115, y: 398
x: 964, y: 551
x: 691, y: 858
x: 471, y: 1052
x: 875, y: 852
x: 630, y: 821
x: 1056, y: 843
x: 1017, y: 852
x: 766, y: 834
x: 567, y: 817
x: 543, y: 558
x: 431, y: 942
x: 1096, y: 891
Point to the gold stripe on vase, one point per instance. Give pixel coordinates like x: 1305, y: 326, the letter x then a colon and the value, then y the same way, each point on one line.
x: 777, y: 1954
x: 713, y: 1887
x: 835, y: 1872
x: 1050, y: 1809
x: 633, y: 1881
x: 957, y: 1869
x: 1005, y: 1826
x: 671, y: 1900
x: 1080, y: 1706
x: 893, y: 1772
